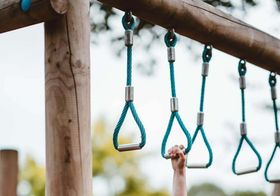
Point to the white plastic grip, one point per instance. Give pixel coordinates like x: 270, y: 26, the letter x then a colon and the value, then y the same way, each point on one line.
x: 129, y: 147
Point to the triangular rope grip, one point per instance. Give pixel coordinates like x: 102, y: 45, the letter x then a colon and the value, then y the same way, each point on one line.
x: 167, y: 133
x: 132, y: 146
x: 246, y: 170
x: 129, y: 24
x: 208, y: 147
x: 25, y: 5
x: 268, y: 165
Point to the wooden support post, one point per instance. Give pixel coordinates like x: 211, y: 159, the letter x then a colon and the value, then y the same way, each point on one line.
x: 206, y: 24
x: 67, y: 89
x: 12, y: 17
x: 276, y: 191
x: 8, y: 172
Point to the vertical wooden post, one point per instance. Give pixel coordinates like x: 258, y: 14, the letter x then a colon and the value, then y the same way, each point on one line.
x: 8, y: 172
x: 67, y: 90
x: 276, y: 191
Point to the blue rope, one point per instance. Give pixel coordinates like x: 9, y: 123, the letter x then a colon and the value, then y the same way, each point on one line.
x: 129, y: 104
x: 242, y: 72
x: 170, y: 41
x: 239, y: 149
x: 172, y: 79
x: 272, y: 82
x: 206, y: 57
x: 25, y: 5
x: 243, y: 105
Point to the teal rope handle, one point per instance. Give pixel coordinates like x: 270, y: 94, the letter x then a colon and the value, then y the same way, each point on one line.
x: 170, y: 41
x: 25, y: 5
x: 206, y: 57
x: 242, y: 72
x: 272, y: 83
x: 129, y: 25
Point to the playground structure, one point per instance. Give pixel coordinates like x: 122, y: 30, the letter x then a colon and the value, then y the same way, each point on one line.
x: 67, y: 68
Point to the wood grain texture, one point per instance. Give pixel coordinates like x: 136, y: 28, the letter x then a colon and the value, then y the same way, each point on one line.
x: 11, y: 16
x: 206, y: 24
x: 67, y: 90
x: 8, y: 172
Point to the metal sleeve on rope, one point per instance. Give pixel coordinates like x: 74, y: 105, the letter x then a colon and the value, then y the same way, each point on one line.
x: 200, y: 118
x: 205, y: 69
x: 277, y: 137
x: 206, y: 57
x: 174, y: 107
x: 272, y: 82
x: 129, y: 93
x: 171, y: 54
x: 243, y: 129
x: 128, y: 24
x: 273, y: 93
x: 170, y: 41
x: 242, y: 82
x: 128, y: 38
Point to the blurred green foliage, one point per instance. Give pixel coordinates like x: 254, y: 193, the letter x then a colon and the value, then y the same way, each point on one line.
x: 116, y: 170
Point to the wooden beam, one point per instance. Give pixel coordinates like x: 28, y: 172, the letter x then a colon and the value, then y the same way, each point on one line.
x: 206, y: 24
x: 67, y: 90
x: 8, y: 172
x: 12, y: 17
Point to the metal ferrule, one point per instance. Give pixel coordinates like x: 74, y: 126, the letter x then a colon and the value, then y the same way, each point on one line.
x: 247, y: 171
x: 174, y: 107
x: 243, y: 129
x: 197, y: 166
x: 129, y: 93
x: 200, y: 118
x: 273, y: 93
x: 128, y: 147
x: 128, y: 37
x: 171, y: 54
x: 242, y: 82
x: 205, y: 69
x: 277, y: 137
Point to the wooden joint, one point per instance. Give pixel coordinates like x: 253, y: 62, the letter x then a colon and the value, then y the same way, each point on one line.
x: 60, y: 6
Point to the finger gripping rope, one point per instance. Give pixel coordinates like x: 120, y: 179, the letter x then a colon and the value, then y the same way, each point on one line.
x: 25, y: 5
x: 128, y: 24
x: 206, y: 57
x: 243, y: 129
x: 170, y: 41
x: 272, y: 82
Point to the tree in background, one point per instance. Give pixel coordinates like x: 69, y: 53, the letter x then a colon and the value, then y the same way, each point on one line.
x: 120, y: 173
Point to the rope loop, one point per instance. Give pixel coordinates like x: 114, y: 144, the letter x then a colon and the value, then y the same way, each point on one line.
x: 242, y: 67
x: 170, y: 41
x: 246, y: 170
x: 128, y: 21
x: 243, y: 128
x: 25, y: 5
x: 207, y: 53
x: 272, y: 79
x: 170, y: 38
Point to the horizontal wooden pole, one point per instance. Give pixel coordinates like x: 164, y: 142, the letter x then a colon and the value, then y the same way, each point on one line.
x: 206, y: 24
x: 12, y: 17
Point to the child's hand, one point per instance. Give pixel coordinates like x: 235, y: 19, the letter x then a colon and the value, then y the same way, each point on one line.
x: 178, y: 159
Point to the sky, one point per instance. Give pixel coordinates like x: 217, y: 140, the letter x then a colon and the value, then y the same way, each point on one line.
x: 22, y: 101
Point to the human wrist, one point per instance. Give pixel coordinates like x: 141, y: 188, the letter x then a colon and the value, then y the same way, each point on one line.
x: 180, y: 171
